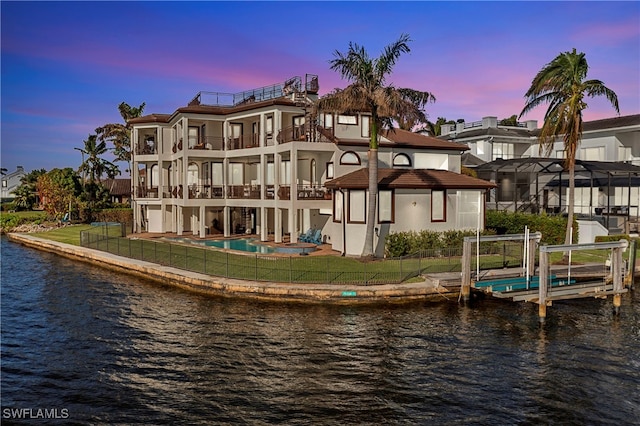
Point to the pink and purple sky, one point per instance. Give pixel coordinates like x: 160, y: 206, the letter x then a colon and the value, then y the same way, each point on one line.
x: 67, y: 65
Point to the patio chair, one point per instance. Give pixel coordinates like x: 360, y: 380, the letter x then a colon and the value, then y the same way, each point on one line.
x: 317, y: 238
x: 307, y: 235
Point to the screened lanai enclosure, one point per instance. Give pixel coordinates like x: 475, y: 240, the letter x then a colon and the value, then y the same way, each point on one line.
x: 605, y: 192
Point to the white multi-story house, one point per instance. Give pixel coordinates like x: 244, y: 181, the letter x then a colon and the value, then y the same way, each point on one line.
x: 607, y: 167
x: 10, y: 182
x: 258, y: 162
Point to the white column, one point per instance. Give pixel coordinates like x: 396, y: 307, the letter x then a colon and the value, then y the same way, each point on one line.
x: 180, y: 213
x: 278, y: 225
x: 203, y: 229
x: 262, y: 126
x: 264, y: 224
x: 226, y: 218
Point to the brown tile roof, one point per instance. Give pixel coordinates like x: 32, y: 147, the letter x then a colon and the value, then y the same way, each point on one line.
x: 151, y: 118
x: 120, y: 186
x: 409, y: 178
x: 399, y: 138
x: 404, y: 138
x: 209, y: 109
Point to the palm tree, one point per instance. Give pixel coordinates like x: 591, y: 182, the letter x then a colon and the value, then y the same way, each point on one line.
x: 120, y: 134
x: 94, y: 165
x: 369, y: 92
x: 562, y: 85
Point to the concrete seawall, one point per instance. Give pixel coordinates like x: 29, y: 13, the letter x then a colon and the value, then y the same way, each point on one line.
x: 425, y: 290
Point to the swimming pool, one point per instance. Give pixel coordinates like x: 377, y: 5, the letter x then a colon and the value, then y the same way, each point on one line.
x: 250, y: 245
x: 240, y: 244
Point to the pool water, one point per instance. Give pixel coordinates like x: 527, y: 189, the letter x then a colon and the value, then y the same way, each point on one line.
x: 241, y: 244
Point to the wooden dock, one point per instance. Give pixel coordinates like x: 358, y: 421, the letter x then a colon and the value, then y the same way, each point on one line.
x: 554, y: 282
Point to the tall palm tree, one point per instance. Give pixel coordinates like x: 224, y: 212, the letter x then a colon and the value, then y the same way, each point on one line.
x: 369, y: 92
x: 562, y: 85
x: 120, y: 134
x: 94, y: 165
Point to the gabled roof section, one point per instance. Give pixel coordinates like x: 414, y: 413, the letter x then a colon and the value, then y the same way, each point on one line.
x: 409, y: 178
x: 404, y: 138
x: 118, y: 186
x: 398, y: 138
x: 151, y: 118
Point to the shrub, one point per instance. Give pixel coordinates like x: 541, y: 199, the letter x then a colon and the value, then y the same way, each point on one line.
x: 114, y: 215
x: 552, y: 228
x: 614, y: 238
x: 404, y: 243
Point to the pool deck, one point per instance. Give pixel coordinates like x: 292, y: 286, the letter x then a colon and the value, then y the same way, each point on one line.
x: 321, y: 250
x: 425, y: 290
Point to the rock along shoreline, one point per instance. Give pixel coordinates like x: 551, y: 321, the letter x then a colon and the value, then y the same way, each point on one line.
x: 426, y: 290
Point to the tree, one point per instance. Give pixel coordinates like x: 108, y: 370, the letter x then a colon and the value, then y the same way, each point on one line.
x: 94, y: 165
x: 562, y: 85
x: 26, y: 194
x: 58, y: 189
x: 511, y: 121
x: 419, y: 99
x: 120, y: 134
x: 369, y: 92
x: 435, y: 129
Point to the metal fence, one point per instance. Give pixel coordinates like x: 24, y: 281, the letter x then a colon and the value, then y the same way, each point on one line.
x: 291, y: 269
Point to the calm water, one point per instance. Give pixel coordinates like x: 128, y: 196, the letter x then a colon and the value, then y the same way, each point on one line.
x: 105, y: 348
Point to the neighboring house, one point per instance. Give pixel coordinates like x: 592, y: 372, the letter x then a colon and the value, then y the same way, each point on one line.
x: 119, y: 190
x: 258, y: 162
x: 607, y: 171
x: 10, y: 182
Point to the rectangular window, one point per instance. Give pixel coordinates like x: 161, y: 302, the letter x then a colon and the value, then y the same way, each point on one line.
x: 285, y: 173
x: 329, y: 170
x: 337, y: 206
x: 469, y: 209
x: 348, y: 119
x: 385, y: 206
x: 357, y: 206
x: 502, y: 150
x: 194, y: 136
x: 216, y: 174
x: 438, y: 206
x: 593, y: 154
x: 328, y: 121
x: 624, y: 153
x: 365, y: 130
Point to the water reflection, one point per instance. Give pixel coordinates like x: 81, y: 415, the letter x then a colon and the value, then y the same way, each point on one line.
x: 116, y: 349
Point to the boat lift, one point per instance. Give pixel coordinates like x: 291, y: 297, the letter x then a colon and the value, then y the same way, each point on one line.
x: 546, y: 287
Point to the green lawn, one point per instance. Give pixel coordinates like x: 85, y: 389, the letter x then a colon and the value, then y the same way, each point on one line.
x: 300, y: 269
x: 68, y: 234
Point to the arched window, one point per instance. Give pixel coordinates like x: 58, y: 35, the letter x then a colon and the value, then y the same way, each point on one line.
x: 153, y: 179
x: 192, y: 174
x: 350, y: 158
x: 402, y: 160
x: 313, y: 175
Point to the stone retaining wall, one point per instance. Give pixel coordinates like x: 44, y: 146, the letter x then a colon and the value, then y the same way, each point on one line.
x: 219, y: 286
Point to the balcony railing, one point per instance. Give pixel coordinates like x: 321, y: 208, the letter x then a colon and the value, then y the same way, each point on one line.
x: 244, y: 141
x: 146, y: 148
x: 146, y: 192
x: 313, y: 192
x: 246, y: 191
x: 305, y: 133
x: 209, y: 143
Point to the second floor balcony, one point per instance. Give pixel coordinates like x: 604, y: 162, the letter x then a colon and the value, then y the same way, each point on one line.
x: 303, y: 192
